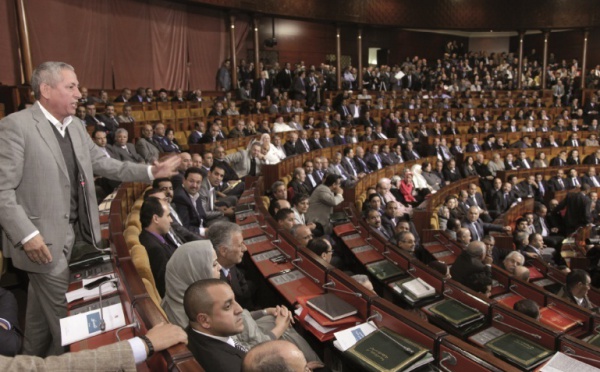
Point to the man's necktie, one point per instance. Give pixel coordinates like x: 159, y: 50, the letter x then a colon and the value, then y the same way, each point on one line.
x: 240, y: 347
x: 252, y: 171
x: 560, y: 182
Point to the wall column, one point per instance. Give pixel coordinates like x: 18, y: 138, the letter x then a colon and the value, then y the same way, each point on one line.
x: 545, y: 58
x: 586, y: 35
x: 255, y: 23
x: 520, y: 69
x: 338, y: 57
x: 234, y: 70
x: 26, y: 64
x: 360, y: 64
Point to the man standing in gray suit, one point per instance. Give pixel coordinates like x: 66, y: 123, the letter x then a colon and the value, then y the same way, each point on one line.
x: 47, y: 198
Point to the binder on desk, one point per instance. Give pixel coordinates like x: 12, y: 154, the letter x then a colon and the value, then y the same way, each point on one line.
x: 594, y: 340
x: 534, y: 273
x: 366, y: 254
x: 556, y: 320
x: 417, y: 289
x: 385, y: 350
x: 509, y: 299
x: 343, y: 229
x: 456, y: 313
x: 519, y: 350
x: 332, y: 306
x: 384, y: 269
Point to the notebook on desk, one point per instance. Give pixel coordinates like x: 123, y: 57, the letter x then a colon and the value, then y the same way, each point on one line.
x: 385, y: 350
x: 331, y: 306
x: 384, y: 269
x: 456, y: 313
x: 519, y: 350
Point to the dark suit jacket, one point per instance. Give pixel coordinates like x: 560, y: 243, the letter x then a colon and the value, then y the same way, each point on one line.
x: 570, y: 184
x: 477, y: 202
x: 240, y: 287
x: 587, y: 179
x: 10, y: 341
x: 314, y: 145
x: 189, y: 214
x: 350, y: 166
x: 214, y: 355
x: 578, y: 211
x: 451, y: 176
x: 591, y: 159
x: 499, y: 204
x: 465, y: 266
x: 555, y: 185
x: 361, y: 165
x: 481, y: 227
x: 158, y: 254
x: 290, y: 149
x: 299, y: 187
x: 339, y: 140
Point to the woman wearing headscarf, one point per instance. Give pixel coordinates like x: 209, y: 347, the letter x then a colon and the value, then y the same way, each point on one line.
x: 419, y: 181
x: 197, y: 260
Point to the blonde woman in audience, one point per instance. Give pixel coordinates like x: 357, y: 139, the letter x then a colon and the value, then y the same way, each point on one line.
x: 197, y: 260
x: 540, y: 161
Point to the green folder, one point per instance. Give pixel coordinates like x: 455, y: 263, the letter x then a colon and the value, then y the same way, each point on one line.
x: 456, y: 313
x: 519, y: 350
x: 384, y: 269
x: 595, y: 340
x: 384, y: 350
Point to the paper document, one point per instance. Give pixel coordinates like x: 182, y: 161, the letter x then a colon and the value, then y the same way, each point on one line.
x: 81, y: 326
x: 563, y: 363
x: 82, y: 293
x: 348, y: 337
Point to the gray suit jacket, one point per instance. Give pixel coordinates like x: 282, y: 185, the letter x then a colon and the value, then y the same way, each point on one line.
x: 321, y: 204
x: 240, y: 162
x: 113, y: 357
x: 148, y: 150
x: 130, y: 155
x: 35, y: 190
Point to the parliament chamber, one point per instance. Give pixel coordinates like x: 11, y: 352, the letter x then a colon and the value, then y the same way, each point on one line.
x: 429, y: 77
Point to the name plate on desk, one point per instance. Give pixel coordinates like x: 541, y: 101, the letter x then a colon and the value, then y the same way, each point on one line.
x: 249, y: 226
x: 364, y: 248
x: 443, y: 254
x: 266, y: 255
x: 544, y: 282
x: 485, y: 336
x: 350, y: 237
x: 256, y: 239
x: 90, y: 272
x: 287, y: 277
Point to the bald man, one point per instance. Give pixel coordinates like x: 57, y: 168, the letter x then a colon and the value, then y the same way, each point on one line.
x: 472, y: 260
x: 277, y: 356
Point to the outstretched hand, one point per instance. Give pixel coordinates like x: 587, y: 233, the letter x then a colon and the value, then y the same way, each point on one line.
x: 167, y: 167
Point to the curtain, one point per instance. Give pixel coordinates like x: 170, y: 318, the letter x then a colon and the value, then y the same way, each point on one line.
x: 115, y: 44
x: 10, y: 71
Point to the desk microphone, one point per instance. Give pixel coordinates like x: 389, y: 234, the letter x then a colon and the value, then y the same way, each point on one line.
x: 114, y: 282
x: 330, y: 286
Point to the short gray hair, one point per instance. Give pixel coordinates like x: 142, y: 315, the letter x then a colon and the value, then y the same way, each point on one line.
x: 121, y: 130
x: 221, y: 233
x: 361, y: 278
x: 47, y: 73
x: 517, y: 256
x: 475, y: 249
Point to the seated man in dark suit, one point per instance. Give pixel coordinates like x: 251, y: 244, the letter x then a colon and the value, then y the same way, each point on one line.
x: 188, y: 203
x: 228, y: 242
x: 591, y: 178
x: 478, y: 228
x: 215, y: 317
x: 198, y: 133
x: 558, y: 182
x: 10, y: 331
x: 577, y: 286
x: 450, y: 172
x: 502, y: 200
x: 472, y: 260
x: 298, y: 183
x: 155, y: 218
x: 572, y: 181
